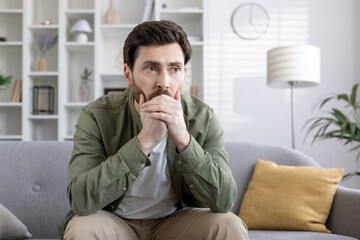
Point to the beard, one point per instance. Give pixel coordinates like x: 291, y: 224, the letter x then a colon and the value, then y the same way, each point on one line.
x: 137, y: 91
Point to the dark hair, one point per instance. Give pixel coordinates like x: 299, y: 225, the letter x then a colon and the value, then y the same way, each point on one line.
x: 155, y: 33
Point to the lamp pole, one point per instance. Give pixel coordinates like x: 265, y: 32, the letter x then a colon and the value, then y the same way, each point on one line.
x: 292, y: 84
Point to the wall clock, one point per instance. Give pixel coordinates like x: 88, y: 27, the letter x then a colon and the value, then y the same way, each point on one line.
x: 250, y: 21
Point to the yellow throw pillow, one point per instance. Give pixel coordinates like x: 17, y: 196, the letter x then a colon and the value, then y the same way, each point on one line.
x: 289, y: 197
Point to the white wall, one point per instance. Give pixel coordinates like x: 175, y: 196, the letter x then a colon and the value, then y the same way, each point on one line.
x: 236, y: 73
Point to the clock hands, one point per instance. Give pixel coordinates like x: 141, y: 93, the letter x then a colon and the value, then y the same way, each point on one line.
x: 251, y: 18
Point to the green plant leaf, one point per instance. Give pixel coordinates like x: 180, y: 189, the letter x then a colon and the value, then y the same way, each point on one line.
x: 339, y: 115
x: 353, y: 95
x: 5, y: 82
x: 325, y: 101
x: 343, y: 97
x: 336, y: 124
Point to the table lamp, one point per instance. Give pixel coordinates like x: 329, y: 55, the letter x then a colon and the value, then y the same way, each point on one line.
x: 81, y: 27
x: 293, y: 66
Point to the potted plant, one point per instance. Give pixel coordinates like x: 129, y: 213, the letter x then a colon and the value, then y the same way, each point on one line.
x: 5, y: 82
x: 337, y: 124
x: 45, y: 43
x: 84, y: 90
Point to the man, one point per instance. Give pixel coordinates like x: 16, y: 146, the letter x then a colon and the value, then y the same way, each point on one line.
x: 150, y: 163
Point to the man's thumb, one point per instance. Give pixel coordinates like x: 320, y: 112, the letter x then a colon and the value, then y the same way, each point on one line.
x: 141, y: 101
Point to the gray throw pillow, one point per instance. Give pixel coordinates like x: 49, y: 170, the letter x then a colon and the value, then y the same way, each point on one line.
x: 10, y: 226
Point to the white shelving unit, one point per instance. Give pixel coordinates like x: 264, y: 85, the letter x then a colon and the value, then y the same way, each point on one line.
x: 11, y: 18
x: 21, y: 24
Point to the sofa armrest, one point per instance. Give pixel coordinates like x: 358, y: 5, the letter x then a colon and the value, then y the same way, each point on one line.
x: 344, y: 217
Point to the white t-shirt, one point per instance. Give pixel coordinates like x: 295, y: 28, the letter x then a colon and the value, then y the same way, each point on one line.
x: 151, y: 195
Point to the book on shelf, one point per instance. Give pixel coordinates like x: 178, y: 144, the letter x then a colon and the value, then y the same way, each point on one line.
x: 16, y: 92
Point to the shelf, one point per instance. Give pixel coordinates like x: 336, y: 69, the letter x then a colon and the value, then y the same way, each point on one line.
x: 68, y: 138
x: 196, y: 43
x: 117, y: 26
x: 44, y: 74
x: 183, y: 11
x: 11, y: 11
x: 10, y: 104
x: 79, y: 44
x: 13, y: 44
x: 79, y: 11
x: 43, y: 117
x: 10, y: 137
x: 75, y: 104
x: 80, y: 47
x: 111, y: 76
x: 41, y: 27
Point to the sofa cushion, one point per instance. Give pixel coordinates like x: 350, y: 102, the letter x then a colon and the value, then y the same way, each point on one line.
x: 289, y: 198
x: 294, y: 235
x: 10, y: 226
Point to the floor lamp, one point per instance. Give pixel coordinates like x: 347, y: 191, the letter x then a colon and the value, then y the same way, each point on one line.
x: 293, y: 66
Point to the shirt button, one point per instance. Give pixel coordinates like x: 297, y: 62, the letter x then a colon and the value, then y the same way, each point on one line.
x: 191, y: 186
x: 142, y: 165
x: 179, y: 162
x: 125, y: 189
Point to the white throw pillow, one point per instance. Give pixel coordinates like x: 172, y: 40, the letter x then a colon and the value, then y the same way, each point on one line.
x: 10, y: 226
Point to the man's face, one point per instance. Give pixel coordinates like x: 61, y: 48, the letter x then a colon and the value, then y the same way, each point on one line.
x: 157, y: 70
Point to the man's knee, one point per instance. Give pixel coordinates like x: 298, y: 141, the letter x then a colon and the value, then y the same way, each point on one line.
x: 84, y: 227
x: 101, y: 225
x: 228, y: 224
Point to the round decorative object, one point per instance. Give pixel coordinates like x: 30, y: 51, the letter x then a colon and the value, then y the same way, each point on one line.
x: 46, y: 22
x: 81, y: 37
x: 250, y: 21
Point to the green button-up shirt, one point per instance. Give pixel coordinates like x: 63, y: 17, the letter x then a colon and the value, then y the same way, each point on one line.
x: 107, y: 159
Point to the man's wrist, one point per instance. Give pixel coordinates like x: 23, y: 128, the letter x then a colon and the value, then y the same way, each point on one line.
x: 182, y: 145
x: 145, y: 147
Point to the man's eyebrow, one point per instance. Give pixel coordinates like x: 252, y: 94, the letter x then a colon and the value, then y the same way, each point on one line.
x: 158, y: 63
x: 151, y: 62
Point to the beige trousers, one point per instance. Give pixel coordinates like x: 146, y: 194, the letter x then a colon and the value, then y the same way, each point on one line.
x: 185, y: 224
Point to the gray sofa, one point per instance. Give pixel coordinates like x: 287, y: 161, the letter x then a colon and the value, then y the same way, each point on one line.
x: 34, y: 180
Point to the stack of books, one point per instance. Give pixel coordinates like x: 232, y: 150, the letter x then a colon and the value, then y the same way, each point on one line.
x: 16, y: 92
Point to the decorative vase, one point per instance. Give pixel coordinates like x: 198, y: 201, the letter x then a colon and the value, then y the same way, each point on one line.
x: 111, y: 16
x: 42, y: 65
x: 84, y: 90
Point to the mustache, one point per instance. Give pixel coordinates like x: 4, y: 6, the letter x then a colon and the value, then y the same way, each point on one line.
x: 158, y: 93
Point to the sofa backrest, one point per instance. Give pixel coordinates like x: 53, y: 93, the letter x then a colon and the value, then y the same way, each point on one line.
x: 33, y: 183
x: 34, y: 177
x: 244, y: 155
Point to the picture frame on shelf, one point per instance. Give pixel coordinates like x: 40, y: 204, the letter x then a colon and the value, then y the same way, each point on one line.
x: 108, y: 91
x: 43, y: 100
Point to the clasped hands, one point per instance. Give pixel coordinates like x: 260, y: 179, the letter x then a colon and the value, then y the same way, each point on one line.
x: 160, y: 115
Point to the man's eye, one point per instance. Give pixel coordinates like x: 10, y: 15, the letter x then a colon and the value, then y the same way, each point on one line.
x: 151, y: 68
x: 175, y: 69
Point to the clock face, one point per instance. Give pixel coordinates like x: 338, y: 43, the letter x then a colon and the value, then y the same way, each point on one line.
x: 250, y: 21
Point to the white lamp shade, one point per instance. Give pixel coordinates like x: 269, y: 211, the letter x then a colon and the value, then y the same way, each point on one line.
x: 298, y: 64
x: 81, y: 26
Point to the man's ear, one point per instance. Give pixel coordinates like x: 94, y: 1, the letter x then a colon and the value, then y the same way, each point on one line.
x: 185, y: 71
x: 128, y: 75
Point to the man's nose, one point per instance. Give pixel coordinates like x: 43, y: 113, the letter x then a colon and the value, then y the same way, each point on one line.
x: 163, y: 82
